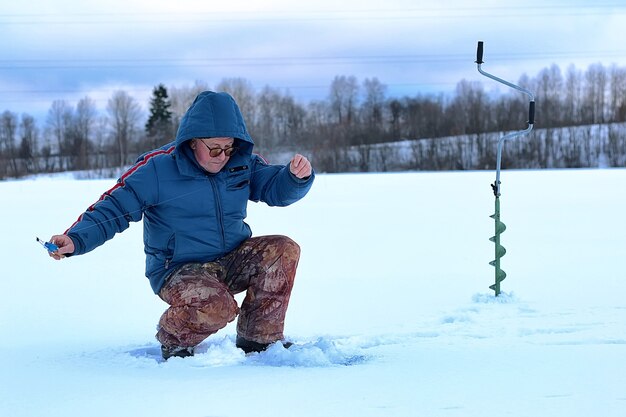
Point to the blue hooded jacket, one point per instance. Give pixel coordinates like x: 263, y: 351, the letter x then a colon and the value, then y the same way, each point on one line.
x: 189, y: 214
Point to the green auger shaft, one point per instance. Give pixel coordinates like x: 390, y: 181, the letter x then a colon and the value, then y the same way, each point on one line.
x: 500, y: 250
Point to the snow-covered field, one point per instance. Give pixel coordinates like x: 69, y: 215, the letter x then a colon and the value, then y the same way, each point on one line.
x: 391, y: 310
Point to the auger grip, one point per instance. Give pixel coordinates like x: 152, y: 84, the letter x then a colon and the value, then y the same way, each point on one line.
x: 479, y: 53
x: 531, y: 113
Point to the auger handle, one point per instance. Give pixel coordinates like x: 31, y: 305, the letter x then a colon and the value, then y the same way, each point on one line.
x: 479, y: 53
x: 531, y: 113
x: 479, y: 61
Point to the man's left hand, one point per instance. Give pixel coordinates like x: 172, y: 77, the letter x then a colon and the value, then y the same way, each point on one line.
x: 300, y: 166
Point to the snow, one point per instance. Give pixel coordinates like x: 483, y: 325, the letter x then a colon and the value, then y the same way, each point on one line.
x: 391, y: 312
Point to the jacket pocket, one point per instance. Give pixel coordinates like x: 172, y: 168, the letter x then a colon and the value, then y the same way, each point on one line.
x: 239, y: 185
x: 163, y: 254
x: 170, y: 251
x: 238, y: 181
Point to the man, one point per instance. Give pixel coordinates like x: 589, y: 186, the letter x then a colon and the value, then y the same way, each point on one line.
x: 192, y: 195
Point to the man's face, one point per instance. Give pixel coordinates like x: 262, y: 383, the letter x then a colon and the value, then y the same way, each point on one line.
x: 202, y: 149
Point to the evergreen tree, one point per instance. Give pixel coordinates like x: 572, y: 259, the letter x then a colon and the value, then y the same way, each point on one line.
x: 159, y: 127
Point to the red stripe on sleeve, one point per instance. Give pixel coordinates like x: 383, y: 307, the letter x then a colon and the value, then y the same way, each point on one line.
x: 122, y: 181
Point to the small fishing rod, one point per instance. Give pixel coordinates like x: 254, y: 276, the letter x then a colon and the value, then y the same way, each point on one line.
x: 49, y: 246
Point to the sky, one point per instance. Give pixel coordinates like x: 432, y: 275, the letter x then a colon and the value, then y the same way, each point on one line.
x: 65, y: 49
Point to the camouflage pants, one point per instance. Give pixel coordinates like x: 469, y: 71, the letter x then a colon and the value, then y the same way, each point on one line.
x: 201, y: 295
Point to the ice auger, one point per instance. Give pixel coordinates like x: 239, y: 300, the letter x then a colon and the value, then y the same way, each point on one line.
x: 499, y: 226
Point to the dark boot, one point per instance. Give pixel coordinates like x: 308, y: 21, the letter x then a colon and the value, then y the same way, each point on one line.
x: 248, y: 346
x: 178, y: 351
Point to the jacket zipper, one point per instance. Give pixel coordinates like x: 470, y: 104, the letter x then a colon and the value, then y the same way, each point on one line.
x: 220, y: 216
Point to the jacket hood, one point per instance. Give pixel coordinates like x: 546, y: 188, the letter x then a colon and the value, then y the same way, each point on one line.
x: 214, y: 115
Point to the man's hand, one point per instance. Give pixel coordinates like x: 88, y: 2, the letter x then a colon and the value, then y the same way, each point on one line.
x: 65, y: 244
x: 300, y: 166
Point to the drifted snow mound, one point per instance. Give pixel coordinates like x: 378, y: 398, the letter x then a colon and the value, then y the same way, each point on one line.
x: 503, y: 298
x: 322, y: 352
x: 319, y: 353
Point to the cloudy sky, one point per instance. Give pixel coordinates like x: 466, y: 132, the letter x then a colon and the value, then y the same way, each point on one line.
x: 62, y: 49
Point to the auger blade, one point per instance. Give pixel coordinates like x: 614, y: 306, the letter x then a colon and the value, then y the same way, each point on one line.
x: 500, y: 251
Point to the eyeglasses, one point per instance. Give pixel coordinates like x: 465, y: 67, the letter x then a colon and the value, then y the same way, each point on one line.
x: 215, y: 152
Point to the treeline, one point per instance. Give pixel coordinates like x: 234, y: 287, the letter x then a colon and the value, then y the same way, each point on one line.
x: 355, y: 115
x: 599, y: 145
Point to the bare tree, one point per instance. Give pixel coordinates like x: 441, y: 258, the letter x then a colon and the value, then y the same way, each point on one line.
x: 267, y: 111
x: 243, y: 93
x: 395, y: 113
x: 509, y: 112
x: 595, y: 93
x: 373, y: 104
x: 99, y: 141
x: 469, y: 109
x: 28, y: 142
x: 181, y: 99
x: 617, y: 94
x: 291, y: 120
x: 59, y: 125
x: 8, y: 149
x: 423, y: 117
x: 343, y: 96
x: 84, y: 121
x: 572, y: 103
x: 124, y: 113
x: 280, y: 119
x: 322, y: 136
x: 549, y: 88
